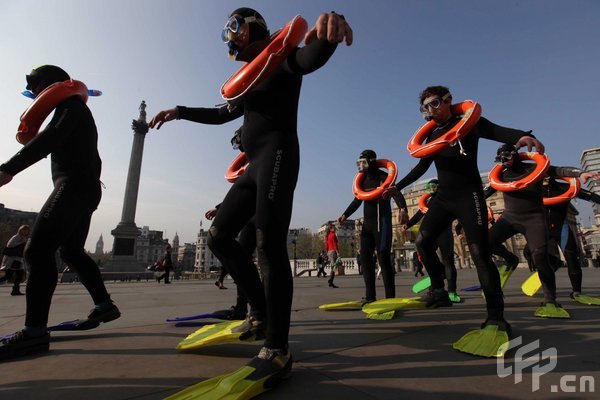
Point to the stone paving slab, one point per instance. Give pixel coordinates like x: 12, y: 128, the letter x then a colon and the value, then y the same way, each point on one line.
x: 338, y: 355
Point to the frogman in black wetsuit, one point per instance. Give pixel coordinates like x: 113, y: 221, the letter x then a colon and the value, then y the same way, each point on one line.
x: 460, y: 196
x: 445, y: 242
x: 63, y: 222
x: 524, y: 213
x: 376, y: 233
x: 561, y: 233
x: 265, y: 190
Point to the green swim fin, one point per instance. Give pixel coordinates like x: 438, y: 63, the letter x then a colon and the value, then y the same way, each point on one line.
x: 532, y: 284
x: 505, y: 273
x: 422, y: 285
x: 490, y: 341
x: 551, y: 310
x: 455, y: 298
x: 211, y: 334
x: 247, y: 382
x: 345, y: 306
x: 585, y: 299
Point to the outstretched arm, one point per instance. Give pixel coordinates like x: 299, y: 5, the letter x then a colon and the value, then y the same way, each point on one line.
x: 320, y: 43
x: 211, y: 116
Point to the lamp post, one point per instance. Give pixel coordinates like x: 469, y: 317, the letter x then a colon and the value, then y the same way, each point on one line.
x: 295, y: 257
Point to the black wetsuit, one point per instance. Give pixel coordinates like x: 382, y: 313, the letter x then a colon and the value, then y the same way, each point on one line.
x: 247, y: 239
x: 460, y: 196
x: 445, y: 242
x: 561, y: 233
x: 266, y: 189
x: 376, y: 234
x: 524, y: 213
x: 63, y: 222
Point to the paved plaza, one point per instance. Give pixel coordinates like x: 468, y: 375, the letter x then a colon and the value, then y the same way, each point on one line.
x: 337, y: 355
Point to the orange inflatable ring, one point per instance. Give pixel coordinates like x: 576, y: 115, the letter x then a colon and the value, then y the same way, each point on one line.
x: 44, y: 103
x: 542, y: 163
x: 376, y: 193
x: 252, y: 73
x: 470, y: 110
x: 570, y: 193
x: 237, y: 168
x: 423, y: 201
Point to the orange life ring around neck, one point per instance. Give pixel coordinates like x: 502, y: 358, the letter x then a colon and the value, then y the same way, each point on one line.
x: 252, y: 73
x: 43, y: 104
x: 471, y: 112
x: 570, y: 193
x: 542, y: 163
x: 376, y: 193
x: 423, y: 201
x: 237, y: 168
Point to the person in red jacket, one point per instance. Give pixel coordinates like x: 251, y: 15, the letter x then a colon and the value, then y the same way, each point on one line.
x: 331, y: 246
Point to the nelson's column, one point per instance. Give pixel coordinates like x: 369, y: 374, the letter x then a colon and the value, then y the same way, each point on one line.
x: 123, y: 257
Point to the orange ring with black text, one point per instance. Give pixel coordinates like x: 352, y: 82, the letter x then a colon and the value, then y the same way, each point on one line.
x: 471, y: 112
x: 542, y: 163
x: 43, y: 104
x: 237, y: 167
x: 252, y: 73
x: 570, y: 193
x: 376, y: 193
x: 423, y: 201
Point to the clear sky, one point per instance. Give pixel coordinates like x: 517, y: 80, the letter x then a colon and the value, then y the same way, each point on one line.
x: 531, y: 64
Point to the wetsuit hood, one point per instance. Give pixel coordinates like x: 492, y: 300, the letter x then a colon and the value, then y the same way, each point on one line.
x: 44, y: 76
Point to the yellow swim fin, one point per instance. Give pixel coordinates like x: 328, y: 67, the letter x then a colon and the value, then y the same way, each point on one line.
x: 584, y: 299
x: 505, y: 273
x: 531, y: 284
x: 551, y: 310
x: 392, y: 304
x: 489, y: 341
x: 345, y: 306
x: 247, y: 382
x: 210, y: 335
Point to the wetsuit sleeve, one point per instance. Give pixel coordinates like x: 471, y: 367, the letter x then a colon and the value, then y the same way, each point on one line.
x: 211, y: 116
x: 488, y: 130
x: 310, y: 58
x: 488, y: 191
x: 414, y: 219
x: 400, y: 200
x: 589, y: 196
x: 415, y: 173
x: 567, y: 172
x: 63, y: 122
x: 352, y: 207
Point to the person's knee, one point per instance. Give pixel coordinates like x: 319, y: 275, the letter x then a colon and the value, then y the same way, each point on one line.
x: 215, y: 239
x: 423, y: 242
x: 478, y: 254
x: 71, y: 255
x: 36, y: 254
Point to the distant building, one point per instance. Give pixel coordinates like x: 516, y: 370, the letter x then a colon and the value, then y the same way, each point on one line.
x: 205, y: 259
x: 343, y: 231
x: 590, y: 161
x: 99, y: 246
x: 175, y: 247
x: 15, y: 218
x: 186, y: 256
x: 150, y: 246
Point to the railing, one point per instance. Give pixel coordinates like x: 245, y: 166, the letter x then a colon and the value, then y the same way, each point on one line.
x: 305, y: 267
